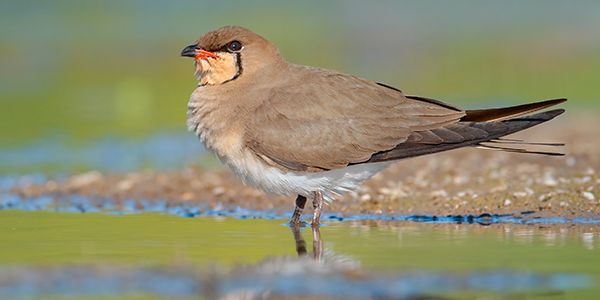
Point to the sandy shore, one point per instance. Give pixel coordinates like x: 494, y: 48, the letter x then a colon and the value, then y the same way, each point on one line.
x: 465, y: 181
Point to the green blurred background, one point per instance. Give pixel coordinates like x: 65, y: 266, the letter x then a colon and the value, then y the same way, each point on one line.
x: 90, y: 69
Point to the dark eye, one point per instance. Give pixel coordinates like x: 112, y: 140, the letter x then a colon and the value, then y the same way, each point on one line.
x: 234, y: 46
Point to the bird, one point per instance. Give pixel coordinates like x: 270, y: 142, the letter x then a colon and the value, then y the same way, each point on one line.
x: 315, y: 133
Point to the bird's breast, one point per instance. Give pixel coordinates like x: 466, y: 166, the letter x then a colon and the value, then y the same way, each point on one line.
x: 222, y: 132
x: 215, y: 126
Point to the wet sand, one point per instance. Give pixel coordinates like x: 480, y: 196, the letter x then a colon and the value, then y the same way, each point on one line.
x: 465, y: 181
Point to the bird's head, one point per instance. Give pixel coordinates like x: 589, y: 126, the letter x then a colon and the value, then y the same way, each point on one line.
x: 230, y: 53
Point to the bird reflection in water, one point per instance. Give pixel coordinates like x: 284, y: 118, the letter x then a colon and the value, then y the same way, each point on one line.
x: 301, y: 243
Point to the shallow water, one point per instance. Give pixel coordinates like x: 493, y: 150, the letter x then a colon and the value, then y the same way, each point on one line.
x: 160, y: 256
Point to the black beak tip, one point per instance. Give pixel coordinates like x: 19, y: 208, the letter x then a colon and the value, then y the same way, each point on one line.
x: 189, y: 51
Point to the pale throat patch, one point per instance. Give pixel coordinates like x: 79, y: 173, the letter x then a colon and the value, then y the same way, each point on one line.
x: 213, y: 71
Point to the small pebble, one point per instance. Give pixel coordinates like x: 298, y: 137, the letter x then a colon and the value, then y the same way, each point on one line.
x: 549, y: 180
x: 439, y: 193
x: 589, y: 196
x: 219, y: 190
x: 584, y: 179
x: 520, y: 194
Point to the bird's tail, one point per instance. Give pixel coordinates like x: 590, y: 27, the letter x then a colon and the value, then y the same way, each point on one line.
x: 514, y: 125
x: 480, y: 128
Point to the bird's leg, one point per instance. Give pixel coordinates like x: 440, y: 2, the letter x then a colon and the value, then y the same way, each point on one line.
x: 297, y: 216
x: 317, y: 244
x: 317, y: 206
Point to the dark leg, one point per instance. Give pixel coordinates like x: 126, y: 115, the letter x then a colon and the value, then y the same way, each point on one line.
x: 297, y: 216
x: 317, y: 206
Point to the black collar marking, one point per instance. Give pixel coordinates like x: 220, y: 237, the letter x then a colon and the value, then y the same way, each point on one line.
x: 238, y: 62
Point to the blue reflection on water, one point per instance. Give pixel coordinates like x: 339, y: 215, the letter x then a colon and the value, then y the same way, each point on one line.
x: 28, y: 282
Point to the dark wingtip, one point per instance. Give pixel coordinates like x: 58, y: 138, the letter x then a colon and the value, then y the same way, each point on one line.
x: 554, y: 112
x: 499, y: 114
x: 551, y: 114
x: 549, y: 102
x: 543, y: 116
x: 555, y: 101
x: 559, y: 111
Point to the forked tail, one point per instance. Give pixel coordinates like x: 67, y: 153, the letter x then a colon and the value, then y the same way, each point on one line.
x: 480, y: 128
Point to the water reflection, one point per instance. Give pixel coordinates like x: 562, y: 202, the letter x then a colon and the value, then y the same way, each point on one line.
x: 320, y: 274
x: 549, y: 235
x: 588, y: 240
x: 317, y: 243
x: 350, y: 260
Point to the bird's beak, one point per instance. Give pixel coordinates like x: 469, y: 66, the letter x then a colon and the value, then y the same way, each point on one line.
x: 193, y: 51
x: 189, y: 51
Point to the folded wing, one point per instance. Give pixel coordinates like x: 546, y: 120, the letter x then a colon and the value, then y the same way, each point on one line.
x: 334, y: 120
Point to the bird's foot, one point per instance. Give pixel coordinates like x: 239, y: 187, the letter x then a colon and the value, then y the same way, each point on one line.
x: 297, y: 224
x: 296, y: 219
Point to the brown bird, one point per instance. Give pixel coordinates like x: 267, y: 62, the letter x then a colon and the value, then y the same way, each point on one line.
x: 297, y: 130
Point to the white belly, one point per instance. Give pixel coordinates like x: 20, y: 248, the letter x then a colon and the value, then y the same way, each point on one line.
x: 332, y: 183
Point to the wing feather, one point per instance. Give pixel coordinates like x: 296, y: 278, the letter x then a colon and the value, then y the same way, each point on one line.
x: 334, y: 120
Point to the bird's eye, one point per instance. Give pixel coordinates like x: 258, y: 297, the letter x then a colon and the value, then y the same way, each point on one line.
x: 234, y: 46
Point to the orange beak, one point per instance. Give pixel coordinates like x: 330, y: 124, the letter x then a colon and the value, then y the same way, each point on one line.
x: 204, y: 54
x: 197, y: 53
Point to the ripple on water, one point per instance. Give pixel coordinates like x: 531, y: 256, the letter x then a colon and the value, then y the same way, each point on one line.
x: 280, y: 277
